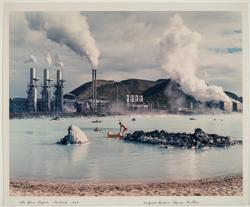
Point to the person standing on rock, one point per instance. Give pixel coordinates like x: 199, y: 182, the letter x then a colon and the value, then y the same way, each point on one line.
x: 123, y: 130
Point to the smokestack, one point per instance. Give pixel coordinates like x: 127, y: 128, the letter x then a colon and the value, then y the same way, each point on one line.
x: 46, y: 93
x: 45, y: 76
x: 32, y: 91
x: 59, y: 91
x: 58, y: 76
x: 32, y: 75
x: 35, y: 87
x: 94, y: 91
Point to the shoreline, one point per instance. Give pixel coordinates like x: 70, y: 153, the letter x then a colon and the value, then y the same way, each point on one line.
x: 20, y: 116
x: 218, y: 186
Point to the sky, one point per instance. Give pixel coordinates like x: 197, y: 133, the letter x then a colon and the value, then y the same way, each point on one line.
x: 128, y: 47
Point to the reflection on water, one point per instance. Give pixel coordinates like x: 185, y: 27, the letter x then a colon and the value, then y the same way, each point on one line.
x: 191, y: 164
x: 34, y: 154
x: 35, y: 132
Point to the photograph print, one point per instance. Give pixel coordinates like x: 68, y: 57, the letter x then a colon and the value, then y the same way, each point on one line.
x: 125, y: 103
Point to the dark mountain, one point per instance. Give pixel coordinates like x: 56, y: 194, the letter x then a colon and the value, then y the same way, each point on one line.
x: 234, y: 96
x: 168, y: 93
x: 108, y: 89
x: 84, y: 91
x: 165, y: 92
x: 130, y: 86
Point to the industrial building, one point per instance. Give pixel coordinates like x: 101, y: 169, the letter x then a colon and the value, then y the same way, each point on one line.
x: 48, y: 103
x: 51, y: 99
x: 45, y: 104
x: 18, y: 105
x: 135, y: 102
x: 237, y: 106
x: 102, y: 106
x: 234, y: 106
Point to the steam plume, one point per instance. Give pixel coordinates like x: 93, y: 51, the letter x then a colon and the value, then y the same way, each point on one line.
x: 48, y: 59
x: 179, y: 48
x: 32, y: 59
x: 69, y: 29
x: 58, y: 62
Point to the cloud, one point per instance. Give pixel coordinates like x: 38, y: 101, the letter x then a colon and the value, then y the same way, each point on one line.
x: 127, y: 44
x: 20, y: 34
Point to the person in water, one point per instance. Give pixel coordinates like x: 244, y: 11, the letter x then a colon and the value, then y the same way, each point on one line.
x: 123, y: 129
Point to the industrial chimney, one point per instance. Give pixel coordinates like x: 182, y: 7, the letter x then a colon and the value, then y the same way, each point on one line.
x: 46, y: 92
x: 94, y: 91
x: 59, y: 91
x: 32, y: 91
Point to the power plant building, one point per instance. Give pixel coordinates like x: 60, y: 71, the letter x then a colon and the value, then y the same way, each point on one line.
x: 135, y: 102
x: 45, y: 104
x: 18, y: 105
x: 48, y: 103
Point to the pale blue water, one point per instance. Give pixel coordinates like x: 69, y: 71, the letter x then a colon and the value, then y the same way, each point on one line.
x: 34, y: 154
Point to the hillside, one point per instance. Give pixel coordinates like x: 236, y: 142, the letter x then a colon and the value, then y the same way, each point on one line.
x: 234, y: 96
x: 165, y: 92
x: 108, y: 89
x: 168, y: 93
x: 84, y: 91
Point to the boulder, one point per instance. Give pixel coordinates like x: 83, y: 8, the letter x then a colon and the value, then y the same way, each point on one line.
x: 75, y: 136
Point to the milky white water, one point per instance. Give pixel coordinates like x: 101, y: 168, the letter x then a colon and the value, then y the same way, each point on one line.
x: 34, y: 154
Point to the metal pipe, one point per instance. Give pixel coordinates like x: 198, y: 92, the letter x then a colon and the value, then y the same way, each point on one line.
x: 59, y: 92
x: 59, y: 76
x: 93, y: 87
x: 32, y: 75
x: 94, y: 90
x: 45, y: 76
x: 32, y: 91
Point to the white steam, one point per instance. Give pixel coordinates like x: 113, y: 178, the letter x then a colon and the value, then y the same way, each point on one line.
x: 48, y: 59
x: 31, y: 59
x: 179, y: 50
x: 69, y: 29
x: 58, y: 62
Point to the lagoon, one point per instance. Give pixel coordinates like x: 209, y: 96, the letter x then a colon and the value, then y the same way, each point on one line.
x: 34, y: 154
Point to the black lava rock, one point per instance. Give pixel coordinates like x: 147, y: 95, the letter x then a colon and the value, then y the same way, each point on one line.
x: 198, y: 140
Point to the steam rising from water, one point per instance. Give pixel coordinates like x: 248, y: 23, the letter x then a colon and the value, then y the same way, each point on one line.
x: 179, y: 50
x: 69, y: 29
x: 32, y: 59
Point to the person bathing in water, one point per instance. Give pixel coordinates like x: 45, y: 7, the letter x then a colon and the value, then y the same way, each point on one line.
x: 123, y: 130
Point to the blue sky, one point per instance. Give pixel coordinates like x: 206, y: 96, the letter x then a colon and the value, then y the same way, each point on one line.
x: 127, y: 44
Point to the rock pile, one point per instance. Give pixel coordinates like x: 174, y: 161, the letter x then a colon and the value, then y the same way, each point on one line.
x: 199, y: 139
x: 75, y: 136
